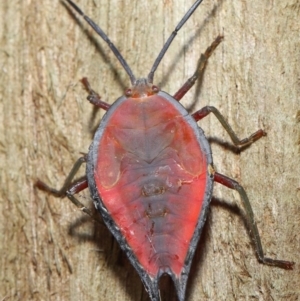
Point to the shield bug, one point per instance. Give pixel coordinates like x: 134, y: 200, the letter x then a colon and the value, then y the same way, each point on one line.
x: 150, y: 173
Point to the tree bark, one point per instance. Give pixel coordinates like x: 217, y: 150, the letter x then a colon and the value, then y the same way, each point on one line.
x: 52, y: 251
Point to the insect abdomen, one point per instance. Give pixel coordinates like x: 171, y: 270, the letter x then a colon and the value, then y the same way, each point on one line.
x: 151, y: 175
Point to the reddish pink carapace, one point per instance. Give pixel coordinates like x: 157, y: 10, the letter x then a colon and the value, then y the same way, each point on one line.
x: 151, y: 176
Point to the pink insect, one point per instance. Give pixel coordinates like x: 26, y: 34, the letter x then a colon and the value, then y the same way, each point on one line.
x: 150, y: 173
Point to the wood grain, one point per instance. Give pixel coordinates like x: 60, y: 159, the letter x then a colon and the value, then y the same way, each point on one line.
x: 50, y: 250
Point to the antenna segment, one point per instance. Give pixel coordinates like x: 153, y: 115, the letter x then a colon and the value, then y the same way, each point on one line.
x: 171, y: 38
x: 102, y: 34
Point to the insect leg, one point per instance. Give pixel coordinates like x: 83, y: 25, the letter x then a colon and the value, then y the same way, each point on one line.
x: 238, y: 142
x: 230, y: 183
x: 202, y: 62
x: 93, y: 97
x: 69, y: 188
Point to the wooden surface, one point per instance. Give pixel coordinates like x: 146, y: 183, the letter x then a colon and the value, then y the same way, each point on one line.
x: 50, y: 250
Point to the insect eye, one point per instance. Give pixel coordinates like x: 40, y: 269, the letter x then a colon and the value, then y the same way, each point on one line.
x: 128, y: 92
x: 155, y: 89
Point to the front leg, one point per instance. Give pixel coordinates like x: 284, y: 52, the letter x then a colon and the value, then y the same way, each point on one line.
x: 93, y: 97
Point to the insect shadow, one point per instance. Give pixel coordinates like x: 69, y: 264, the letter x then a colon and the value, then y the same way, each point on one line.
x: 110, y: 253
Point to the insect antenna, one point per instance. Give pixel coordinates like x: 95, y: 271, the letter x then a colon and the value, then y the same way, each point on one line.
x: 101, y: 33
x: 171, y: 38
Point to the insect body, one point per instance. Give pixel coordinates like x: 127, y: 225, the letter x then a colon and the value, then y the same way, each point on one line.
x: 148, y: 173
x: 151, y: 175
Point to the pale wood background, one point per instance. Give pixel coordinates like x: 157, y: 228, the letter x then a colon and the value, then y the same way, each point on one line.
x: 50, y: 250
